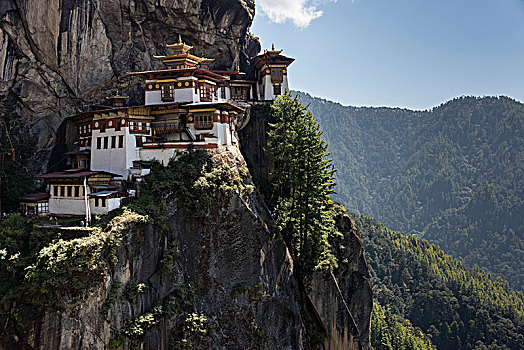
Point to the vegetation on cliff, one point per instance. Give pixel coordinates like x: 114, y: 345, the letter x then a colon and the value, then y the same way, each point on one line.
x: 302, y: 182
x: 16, y: 147
x: 457, y: 307
x: 454, y: 174
x: 42, y: 268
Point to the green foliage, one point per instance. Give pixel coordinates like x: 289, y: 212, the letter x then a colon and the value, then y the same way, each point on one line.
x: 388, y: 333
x: 194, y: 330
x: 113, y: 296
x: 454, y: 174
x: 115, y: 343
x: 132, y: 289
x: 179, y: 301
x: 72, y: 266
x: 169, y: 255
x: 15, y: 178
x: 457, y: 307
x: 302, y: 183
x: 138, y: 327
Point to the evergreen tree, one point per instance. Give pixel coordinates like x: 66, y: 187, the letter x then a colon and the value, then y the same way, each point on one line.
x: 302, y: 182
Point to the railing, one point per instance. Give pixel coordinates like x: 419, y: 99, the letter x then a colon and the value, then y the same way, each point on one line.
x: 166, y: 127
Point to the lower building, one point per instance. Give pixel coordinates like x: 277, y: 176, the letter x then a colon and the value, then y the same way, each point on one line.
x: 80, y: 192
x: 35, y: 204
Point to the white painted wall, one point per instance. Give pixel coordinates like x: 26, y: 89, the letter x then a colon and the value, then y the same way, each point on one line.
x: 268, y: 88
x: 111, y: 204
x: 153, y: 97
x: 185, y: 95
x: 163, y: 155
x: 115, y: 160
x: 285, y: 84
x: 67, y: 206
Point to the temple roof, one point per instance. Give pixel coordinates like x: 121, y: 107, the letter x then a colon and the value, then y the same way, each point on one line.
x: 75, y: 173
x: 271, y: 57
x: 35, y: 197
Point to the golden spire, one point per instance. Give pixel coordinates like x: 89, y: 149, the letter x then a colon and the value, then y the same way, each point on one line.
x: 272, y: 47
x: 179, y: 39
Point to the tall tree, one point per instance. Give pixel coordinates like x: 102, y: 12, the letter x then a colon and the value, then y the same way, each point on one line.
x: 302, y: 182
x: 15, y: 148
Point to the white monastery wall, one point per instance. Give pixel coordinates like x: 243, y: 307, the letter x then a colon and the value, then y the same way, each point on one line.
x: 153, y: 97
x: 67, y: 206
x: 268, y: 88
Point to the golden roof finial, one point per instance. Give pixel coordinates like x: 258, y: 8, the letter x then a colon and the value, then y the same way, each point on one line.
x: 179, y: 39
x: 272, y: 47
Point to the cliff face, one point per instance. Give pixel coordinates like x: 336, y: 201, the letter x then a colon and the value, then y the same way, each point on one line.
x: 58, y: 55
x: 227, y: 269
x: 340, y: 301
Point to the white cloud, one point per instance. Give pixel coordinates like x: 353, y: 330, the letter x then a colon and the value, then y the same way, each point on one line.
x: 301, y: 12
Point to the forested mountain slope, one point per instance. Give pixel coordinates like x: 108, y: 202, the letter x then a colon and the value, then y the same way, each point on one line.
x: 454, y: 175
x: 457, y: 307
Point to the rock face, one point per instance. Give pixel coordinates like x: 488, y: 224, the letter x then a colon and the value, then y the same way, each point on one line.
x: 343, y: 298
x: 57, y: 56
x: 341, y: 301
x: 228, y: 267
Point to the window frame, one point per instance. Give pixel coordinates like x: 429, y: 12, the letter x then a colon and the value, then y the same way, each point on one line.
x: 203, y: 121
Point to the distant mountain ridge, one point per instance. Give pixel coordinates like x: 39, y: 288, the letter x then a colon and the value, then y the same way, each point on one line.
x: 453, y: 174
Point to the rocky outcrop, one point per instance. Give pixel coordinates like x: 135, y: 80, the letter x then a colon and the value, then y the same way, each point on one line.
x: 57, y: 56
x: 228, y: 268
x: 343, y: 297
x: 338, y: 302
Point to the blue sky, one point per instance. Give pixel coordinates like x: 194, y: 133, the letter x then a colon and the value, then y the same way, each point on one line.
x: 399, y: 53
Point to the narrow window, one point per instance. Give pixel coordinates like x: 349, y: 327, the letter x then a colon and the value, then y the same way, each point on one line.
x: 167, y: 92
x: 113, y: 141
x: 55, y: 190
x: 139, y: 142
x: 103, y: 200
x: 89, y: 142
x: 77, y: 191
x: 277, y: 90
x: 62, y: 191
x: 121, y: 141
x: 98, y: 143
x: 106, y: 140
x: 96, y: 201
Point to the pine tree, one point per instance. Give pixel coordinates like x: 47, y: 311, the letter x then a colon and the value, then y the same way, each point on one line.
x: 302, y: 182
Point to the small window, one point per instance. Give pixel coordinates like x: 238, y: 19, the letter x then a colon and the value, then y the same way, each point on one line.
x: 204, y: 121
x: 43, y: 207
x: 69, y: 191
x: 98, y: 143
x: 121, y: 141
x: 277, y: 90
x: 167, y: 92
x: 223, y: 92
x: 106, y: 141
x: 96, y: 201
x: 77, y: 191
x: 113, y: 141
x: 139, y: 142
x: 62, y: 191
x: 102, y: 202
x: 206, y: 92
x: 55, y: 190
x: 89, y: 142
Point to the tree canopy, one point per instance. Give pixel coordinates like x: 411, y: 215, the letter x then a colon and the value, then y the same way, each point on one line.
x: 302, y: 182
